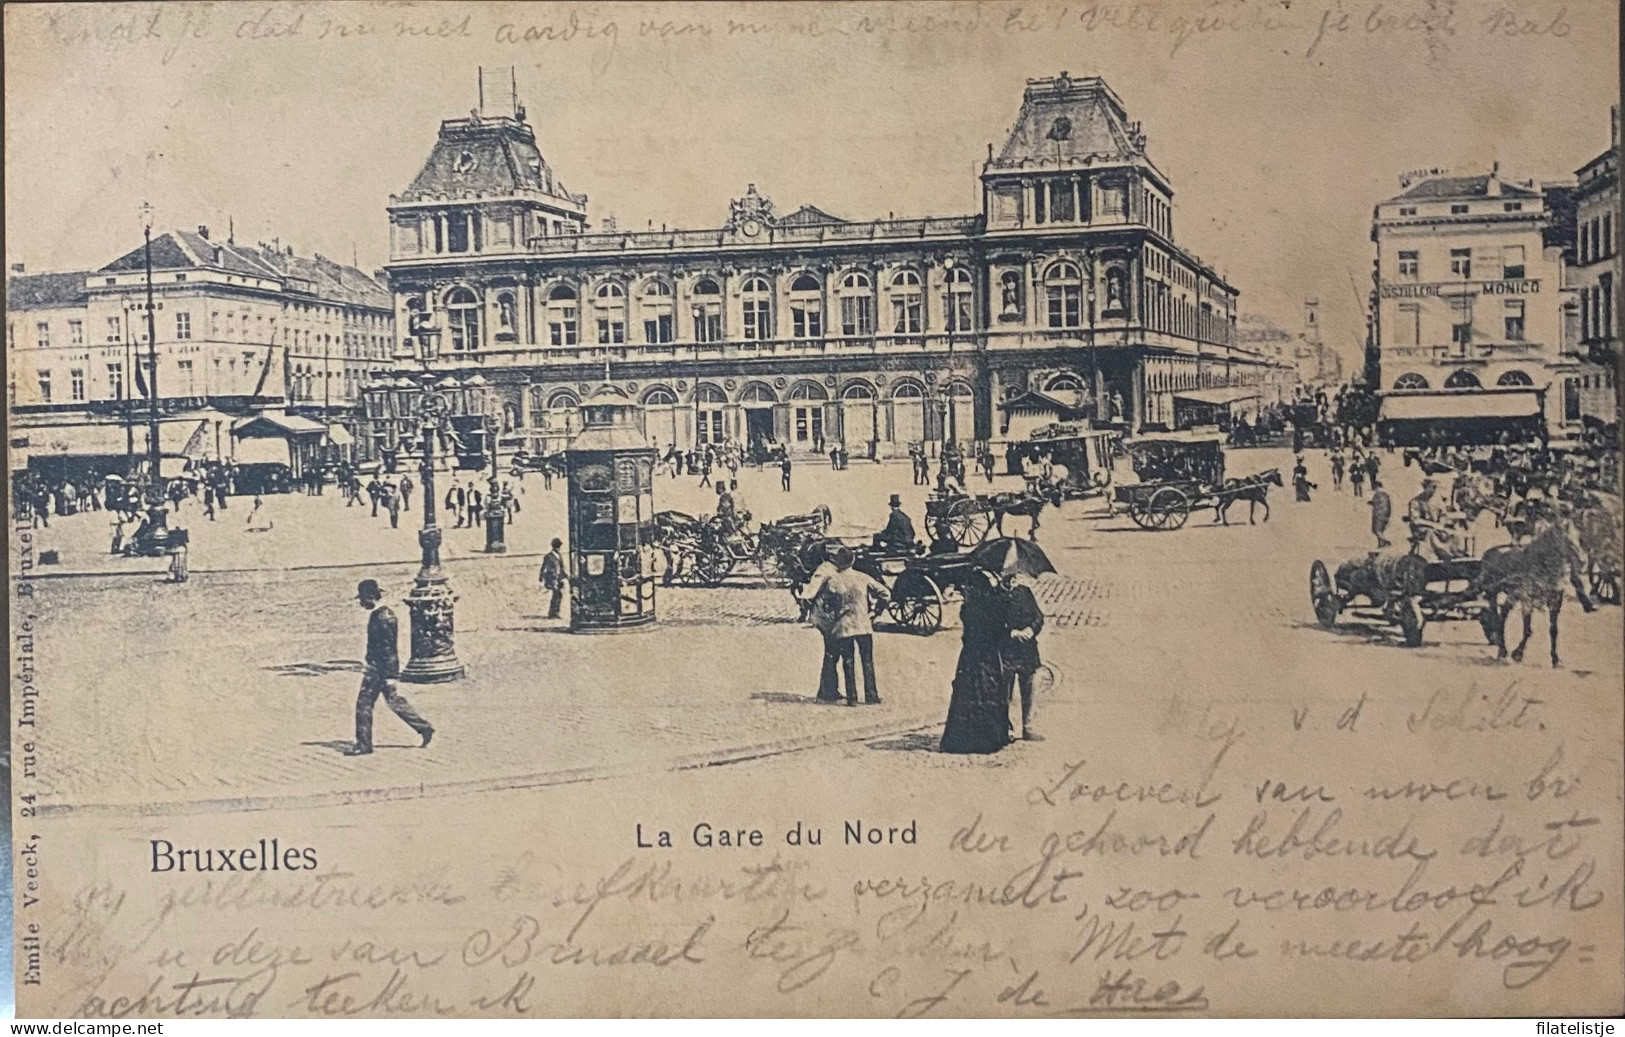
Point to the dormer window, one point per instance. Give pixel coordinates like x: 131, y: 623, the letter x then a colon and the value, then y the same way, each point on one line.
x: 465, y: 164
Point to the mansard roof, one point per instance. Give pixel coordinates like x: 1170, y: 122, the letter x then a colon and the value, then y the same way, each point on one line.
x: 1065, y: 120
x: 183, y: 249
x: 1455, y: 187
x: 485, y: 157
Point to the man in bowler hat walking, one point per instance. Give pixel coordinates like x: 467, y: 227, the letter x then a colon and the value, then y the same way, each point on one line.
x: 383, y: 669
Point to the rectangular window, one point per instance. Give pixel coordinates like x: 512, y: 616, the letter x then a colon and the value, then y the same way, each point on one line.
x: 1607, y: 234
x: 562, y: 328
x: 956, y: 307
x: 1461, y: 262
x: 115, y: 381
x: 185, y: 369
x: 44, y: 386
x: 76, y: 385
x: 906, y: 315
x: 807, y: 321
x: 857, y: 315
x: 43, y: 333
x: 1407, y: 210
x: 1065, y: 310
x: 1409, y: 265
x: 1060, y: 201
x: 1408, y: 325
x: 1514, y: 320
x: 1461, y: 323
x: 1512, y: 262
x: 708, y: 325
x: 658, y: 329
x: 183, y: 326
x: 1511, y: 206
x: 457, y: 232
x: 758, y: 320
x: 76, y: 332
x: 1605, y: 289
x: 611, y: 332
x: 1038, y: 203
x: 1458, y: 209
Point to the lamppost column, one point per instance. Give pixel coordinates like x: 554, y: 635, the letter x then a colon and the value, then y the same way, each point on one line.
x: 431, y: 602
x: 495, y: 539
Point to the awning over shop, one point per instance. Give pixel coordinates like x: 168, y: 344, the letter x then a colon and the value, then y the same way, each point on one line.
x: 191, y: 436
x: 1035, y: 402
x: 1461, y: 405
x: 338, y: 435
x: 276, y: 426
x: 1218, y: 396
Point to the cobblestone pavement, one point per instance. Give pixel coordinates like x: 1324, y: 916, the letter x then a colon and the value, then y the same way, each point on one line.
x: 235, y: 691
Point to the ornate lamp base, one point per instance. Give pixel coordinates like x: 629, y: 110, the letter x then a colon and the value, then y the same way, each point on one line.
x: 434, y: 656
x: 495, y: 533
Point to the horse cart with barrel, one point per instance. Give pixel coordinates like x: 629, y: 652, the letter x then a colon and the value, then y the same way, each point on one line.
x: 1406, y: 591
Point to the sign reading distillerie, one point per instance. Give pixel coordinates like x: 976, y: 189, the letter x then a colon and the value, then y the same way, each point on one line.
x: 1516, y: 286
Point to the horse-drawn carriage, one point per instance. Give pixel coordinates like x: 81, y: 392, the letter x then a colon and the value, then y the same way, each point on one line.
x: 921, y: 584
x: 1182, y: 472
x: 1085, y: 453
x: 1407, y: 591
x: 706, y: 551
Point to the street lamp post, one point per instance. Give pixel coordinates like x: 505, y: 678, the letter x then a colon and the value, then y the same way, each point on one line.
x: 430, y: 604
x: 948, y: 392
x: 488, y: 403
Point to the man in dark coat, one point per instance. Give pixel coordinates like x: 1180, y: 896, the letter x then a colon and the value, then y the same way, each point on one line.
x: 383, y: 669
x: 899, y: 531
x: 552, y: 578
x: 1019, y: 653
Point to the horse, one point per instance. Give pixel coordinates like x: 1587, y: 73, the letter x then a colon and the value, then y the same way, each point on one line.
x: 1027, y: 504
x: 1254, y: 489
x: 1530, y: 575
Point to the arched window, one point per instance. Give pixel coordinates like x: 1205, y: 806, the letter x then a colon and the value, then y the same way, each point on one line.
x: 1410, y: 380
x: 758, y: 392
x: 1063, y: 290
x: 609, y: 305
x: 908, y: 390
x: 707, y: 311
x: 907, y: 318
x: 705, y: 392
x: 957, y: 298
x: 561, y: 399
x: 857, y: 304
x: 562, y: 319
x: 1463, y: 380
x: 1064, y: 383
x: 659, y: 396
x: 1514, y: 378
x: 858, y: 391
x: 758, y: 309
x: 659, y: 318
x: 463, y: 319
x: 808, y: 391
x: 806, y: 307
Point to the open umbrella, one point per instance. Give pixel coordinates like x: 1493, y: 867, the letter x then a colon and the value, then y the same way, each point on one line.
x: 1004, y: 555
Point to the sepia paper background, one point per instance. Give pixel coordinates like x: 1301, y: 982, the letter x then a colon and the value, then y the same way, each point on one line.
x: 1046, y: 879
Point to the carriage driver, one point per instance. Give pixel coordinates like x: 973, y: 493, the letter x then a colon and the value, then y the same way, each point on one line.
x: 899, y: 531
x: 727, y: 511
x: 1429, y: 523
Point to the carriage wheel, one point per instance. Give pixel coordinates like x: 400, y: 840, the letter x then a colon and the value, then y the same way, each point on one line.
x: 916, y: 603
x: 711, y: 568
x: 1411, y: 621
x: 970, y: 522
x: 1168, y: 508
x: 1137, y: 512
x: 1324, y: 595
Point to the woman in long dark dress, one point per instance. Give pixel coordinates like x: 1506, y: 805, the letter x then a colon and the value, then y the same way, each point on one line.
x: 979, y: 711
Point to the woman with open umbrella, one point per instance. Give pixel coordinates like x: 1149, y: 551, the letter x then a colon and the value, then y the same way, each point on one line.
x: 979, y: 709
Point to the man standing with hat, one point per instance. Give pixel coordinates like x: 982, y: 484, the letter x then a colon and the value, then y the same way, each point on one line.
x: 552, y: 578
x: 841, y: 610
x: 383, y: 669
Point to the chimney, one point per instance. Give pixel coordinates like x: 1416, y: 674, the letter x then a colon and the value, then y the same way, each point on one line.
x: 203, y: 231
x: 16, y: 268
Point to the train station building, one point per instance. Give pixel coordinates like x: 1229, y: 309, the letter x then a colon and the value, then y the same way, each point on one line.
x: 798, y: 326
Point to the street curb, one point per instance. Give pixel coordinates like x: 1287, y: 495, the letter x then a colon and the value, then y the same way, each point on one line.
x: 542, y: 779
x: 476, y: 557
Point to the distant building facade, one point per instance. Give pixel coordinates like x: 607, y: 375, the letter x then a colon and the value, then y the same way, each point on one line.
x: 1597, y: 282
x: 240, y: 330
x: 809, y: 330
x: 1473, y: 294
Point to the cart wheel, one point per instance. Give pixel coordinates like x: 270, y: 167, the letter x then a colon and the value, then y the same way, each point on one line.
x: 1137, y: 512
x: 1323, y: 595
x: 1411, y: 621
x: 916, y: 603
x: 969, y: 521
x: 711, y: 569
x: 1168, y: 508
